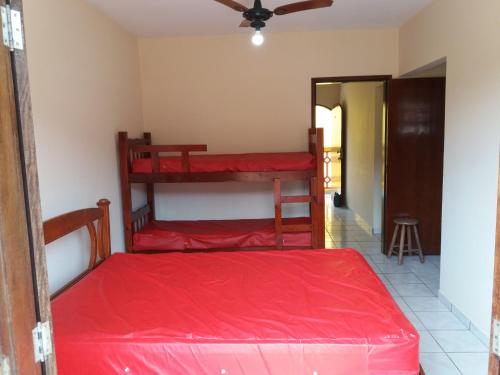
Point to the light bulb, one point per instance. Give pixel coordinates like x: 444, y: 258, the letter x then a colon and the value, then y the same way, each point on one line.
x: 258, y: 38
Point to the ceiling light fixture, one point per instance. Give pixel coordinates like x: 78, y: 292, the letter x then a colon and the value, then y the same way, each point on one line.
x: 257, y: 38
x: 257, y: 16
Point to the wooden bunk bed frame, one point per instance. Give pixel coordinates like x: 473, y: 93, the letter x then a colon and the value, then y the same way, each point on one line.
x: 100, y: 239
x: 134, y: 221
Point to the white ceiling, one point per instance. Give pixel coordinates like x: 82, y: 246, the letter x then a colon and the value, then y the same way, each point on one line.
x: 198, y: 17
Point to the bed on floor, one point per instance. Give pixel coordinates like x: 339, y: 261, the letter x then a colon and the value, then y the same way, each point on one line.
x: 263, y: 312
x: 141, y: 162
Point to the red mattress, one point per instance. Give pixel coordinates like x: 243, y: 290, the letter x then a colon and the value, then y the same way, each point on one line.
x: 285, y: 161
x: 216, y: 234
x: 295, y: 312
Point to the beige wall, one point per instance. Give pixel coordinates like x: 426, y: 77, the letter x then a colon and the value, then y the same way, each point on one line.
x: 363, y: 112
x: 84, y: 73
x: 223, y: 91
x: 467, y: 36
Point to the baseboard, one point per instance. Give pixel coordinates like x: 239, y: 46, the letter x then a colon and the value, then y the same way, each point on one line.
x: 463, y: 318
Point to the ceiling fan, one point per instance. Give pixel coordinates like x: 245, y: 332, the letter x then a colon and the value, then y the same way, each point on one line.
x: 257, y: 16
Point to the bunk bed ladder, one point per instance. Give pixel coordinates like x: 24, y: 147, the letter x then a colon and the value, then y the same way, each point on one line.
x: 280, y: 227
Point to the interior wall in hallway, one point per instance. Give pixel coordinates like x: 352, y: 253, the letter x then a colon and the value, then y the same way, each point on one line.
x: 363, y: 106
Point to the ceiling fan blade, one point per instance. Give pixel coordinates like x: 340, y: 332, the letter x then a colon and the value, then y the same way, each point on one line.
x: 245, y: 23
x: 302, y: 5
x: 233, y: 5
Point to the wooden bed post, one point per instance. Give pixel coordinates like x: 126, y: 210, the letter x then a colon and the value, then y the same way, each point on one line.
x: 320, y: 188
x: 278, y: 214
x: 150, y: 187
x: 317, y: 188
x: 123, y: 147
x: 104, y: 230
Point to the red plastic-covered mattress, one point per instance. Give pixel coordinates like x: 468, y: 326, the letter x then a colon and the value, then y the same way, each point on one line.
x: 295, y: 312
x: 264, y: 162
x: 216, y: 234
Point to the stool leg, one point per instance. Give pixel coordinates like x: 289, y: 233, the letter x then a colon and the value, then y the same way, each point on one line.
x: 410, y: 245
x: 401, y: 245
x: 393, y: 241
x: 419, y: 246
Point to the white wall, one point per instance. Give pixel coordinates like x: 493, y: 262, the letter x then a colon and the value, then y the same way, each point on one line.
x: 223, y: 91
x: 85, y: 86
x: 363, y: 104
x: 467, y: 35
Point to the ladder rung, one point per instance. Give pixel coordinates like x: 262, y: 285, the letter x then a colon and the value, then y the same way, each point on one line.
x: 296, y: 199
x: 290, y: 228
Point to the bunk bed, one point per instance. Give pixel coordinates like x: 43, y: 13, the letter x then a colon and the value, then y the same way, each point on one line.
x: 141, y: 162
x: 234, y: 313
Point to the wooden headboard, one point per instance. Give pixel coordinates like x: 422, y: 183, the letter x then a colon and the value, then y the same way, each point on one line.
x: 100, y: 239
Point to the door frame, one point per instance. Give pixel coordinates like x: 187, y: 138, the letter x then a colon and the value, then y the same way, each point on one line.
x: 27, y: 249
x: 494, y: 363
x: 349, y: 79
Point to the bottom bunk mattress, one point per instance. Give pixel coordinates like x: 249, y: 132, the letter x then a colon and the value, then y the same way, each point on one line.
x: 216, y: 234
x: 293, y: 312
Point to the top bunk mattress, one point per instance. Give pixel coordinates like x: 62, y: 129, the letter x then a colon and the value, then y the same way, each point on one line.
x: 274, y: 312
x: 263, y: 162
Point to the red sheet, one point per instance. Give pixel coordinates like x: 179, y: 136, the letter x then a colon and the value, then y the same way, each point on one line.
x: 285, y: 161
x: 296, y: 312
x: 216, y: 234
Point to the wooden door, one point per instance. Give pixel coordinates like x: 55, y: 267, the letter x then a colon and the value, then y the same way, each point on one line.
x: 24, y: 298
x: 494, y: 360
x: 414, y: 161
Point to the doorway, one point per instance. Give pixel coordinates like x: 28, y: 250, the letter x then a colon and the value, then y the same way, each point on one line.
x: 352, y: 112
x: 331, y: 121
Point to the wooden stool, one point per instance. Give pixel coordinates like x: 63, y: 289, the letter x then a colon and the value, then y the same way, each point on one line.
x: 405, y: 225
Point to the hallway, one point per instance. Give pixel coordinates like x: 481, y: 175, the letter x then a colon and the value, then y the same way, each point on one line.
x: 447, y: 346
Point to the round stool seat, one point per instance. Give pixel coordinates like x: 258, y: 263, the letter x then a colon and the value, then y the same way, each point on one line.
x: 406, y: 221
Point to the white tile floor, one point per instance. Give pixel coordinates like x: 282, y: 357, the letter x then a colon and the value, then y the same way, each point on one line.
x: 446, y: 346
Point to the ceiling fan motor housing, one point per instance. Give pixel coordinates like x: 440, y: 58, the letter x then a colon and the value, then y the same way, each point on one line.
x: 257, y: 15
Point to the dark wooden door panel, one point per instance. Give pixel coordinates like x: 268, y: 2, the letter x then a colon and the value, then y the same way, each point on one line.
x: 415, y: 143
x: 24, y: 297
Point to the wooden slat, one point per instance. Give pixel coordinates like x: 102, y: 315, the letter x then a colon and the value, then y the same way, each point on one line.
x: 219, y: 177
x: 140, y: 213
x: 169, y: 148
x: 60, y: 226
x: 219, y: 250
x: 296, y: 199
x: 294, y: 228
